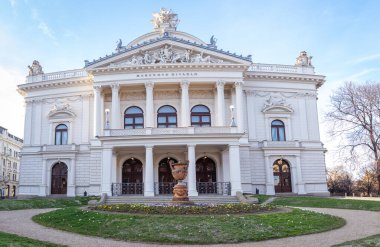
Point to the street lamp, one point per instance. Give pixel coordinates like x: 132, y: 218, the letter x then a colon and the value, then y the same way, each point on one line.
x: 232, y: 108
x: 107, y: 118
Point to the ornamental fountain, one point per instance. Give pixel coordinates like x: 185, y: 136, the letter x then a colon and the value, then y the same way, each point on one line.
x: 179, y: 172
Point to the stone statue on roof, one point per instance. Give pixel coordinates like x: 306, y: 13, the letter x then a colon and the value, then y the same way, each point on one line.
x: 303, y: 59
x: 212, y: 42
x: 165, y: 20
x: 119, y: 45
x: 35, y: 69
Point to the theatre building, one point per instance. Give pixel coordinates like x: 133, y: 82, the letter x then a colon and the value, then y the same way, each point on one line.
x: 116, y: 124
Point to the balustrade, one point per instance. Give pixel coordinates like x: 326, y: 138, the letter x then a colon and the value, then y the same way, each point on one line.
x: 119, y: 189
x: 280, y: 68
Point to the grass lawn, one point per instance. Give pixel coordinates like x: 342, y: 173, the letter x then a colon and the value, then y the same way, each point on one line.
x: 262, y: 198
x: 189, y: 229
x: 325, y: 202
x: 11, y: 204
x: 7, y: 239
x: 371, y: 241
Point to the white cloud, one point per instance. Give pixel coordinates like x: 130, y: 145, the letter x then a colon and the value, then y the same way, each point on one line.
x: 43, y: 26
x: 366, y: 58
x: 11, y: 102
x: 13, y: 3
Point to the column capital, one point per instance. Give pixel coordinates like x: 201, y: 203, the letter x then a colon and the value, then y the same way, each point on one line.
x: 191, y: 145
x: 97, y: 88
x: 115, y: 86
x: 185, y: 84
x: 149, y: 84
x: 220, y: 83
x: 149, y: 146
x: 238, y: 84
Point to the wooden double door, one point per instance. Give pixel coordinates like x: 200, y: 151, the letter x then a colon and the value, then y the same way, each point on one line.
x: 59, y: 179
x: 282, y: 176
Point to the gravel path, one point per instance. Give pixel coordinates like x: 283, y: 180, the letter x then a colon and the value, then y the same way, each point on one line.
x: 359, y: 224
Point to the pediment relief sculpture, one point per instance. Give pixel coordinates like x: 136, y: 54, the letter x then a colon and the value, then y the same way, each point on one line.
x: 61, y: 110
x: 167, y: 54
x: 276, y: 104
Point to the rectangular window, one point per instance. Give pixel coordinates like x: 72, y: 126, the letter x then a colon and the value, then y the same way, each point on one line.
x: 64, y: 138
x: 282, y: 134
x: 172, y: 119
x: 139, y: 120
x: 274, y: 134
x: 58, y: 138
x: 162, y: 119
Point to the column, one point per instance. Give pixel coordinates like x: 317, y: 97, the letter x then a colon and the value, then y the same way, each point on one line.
x: 97, y: 110
x: 149, y: 104
x: 106, y: 171
x: 300, y: 184
x: 220, y: 103
x: 239, y: 105
x: 185, y: 111
x: 114, y: 168
x: 191, y: 176
x: 235, y: 176
x: 71, y: 179
x: 148, y: 180
x: 28, y: 122
x: 115, y: 113
x: 43, y: 179
x: 269, y: 177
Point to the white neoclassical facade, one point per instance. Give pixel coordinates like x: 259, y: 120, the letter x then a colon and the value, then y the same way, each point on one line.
x: 115, y: 126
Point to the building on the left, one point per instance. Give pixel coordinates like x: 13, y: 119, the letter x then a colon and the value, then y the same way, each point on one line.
x: 10, y: 147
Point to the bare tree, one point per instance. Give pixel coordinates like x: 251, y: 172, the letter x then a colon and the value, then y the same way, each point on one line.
x: 355, y: 114
x: 367, y: 180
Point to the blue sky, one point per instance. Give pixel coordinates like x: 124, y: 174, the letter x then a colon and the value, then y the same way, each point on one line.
x: 342, y: 36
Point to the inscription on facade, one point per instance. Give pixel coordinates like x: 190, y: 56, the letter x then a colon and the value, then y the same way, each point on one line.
x: 167, y: 74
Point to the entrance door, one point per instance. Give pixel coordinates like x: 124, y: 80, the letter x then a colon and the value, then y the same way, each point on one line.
x: 132, y: 177
x: 166, y: 181
x: 59, y: 178
x: 282, y: 178
x: 206, y: 176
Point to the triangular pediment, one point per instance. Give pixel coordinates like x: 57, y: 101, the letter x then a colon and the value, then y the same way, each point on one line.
x: 167, y: 51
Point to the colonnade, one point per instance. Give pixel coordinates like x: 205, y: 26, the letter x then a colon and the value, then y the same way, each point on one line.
x: 149, y: 110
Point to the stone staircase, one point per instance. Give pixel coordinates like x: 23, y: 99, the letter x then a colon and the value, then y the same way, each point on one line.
x: 202, y: 199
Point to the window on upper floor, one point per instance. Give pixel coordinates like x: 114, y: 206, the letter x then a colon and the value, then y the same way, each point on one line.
x: 133, y: 118
x: 61, y: 134
x: 167, y: 117
x: 200, y: 116
x: 278, y: 130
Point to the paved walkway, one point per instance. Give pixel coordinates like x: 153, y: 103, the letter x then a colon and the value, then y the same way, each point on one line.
x: 359, y: 224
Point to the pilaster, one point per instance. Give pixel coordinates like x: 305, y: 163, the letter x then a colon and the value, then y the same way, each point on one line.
x: 149, y: 104
x: 221, y: 117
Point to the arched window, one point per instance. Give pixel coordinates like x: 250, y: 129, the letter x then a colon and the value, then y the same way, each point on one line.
x: 133, y: 118
x: 278, y: 130
x: 200, y: 116
x: 61, y: 134
x: 167, y: 117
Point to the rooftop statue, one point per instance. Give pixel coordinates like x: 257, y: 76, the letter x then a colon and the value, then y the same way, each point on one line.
x: 212, y: 42
x: 35, y: 69
x: 119, y: 45
x: 303, y: 59
x: 165, y: 20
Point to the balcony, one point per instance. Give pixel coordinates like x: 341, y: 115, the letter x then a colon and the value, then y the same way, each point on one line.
x: 280, y: 144
x: 171, y: 131
x: 60, y: 148
x: 57, y: 75
x: 280, y: 68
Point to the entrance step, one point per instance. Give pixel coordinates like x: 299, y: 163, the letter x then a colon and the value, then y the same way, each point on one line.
x: 168, y: 199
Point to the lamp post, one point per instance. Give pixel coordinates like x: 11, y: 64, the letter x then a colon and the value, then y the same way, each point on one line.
x: 107, y: 118
x: 232, y: 108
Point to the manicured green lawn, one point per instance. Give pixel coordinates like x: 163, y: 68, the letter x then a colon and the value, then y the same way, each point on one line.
x: 372, y: 241
x: 11, y: 204
x: 189, y: 229
x: 7, y: 239
x: 325, y: 202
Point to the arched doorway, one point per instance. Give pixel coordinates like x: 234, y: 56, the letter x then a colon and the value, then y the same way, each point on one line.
x: 132, y: 177
x: 206, y: 176
x: 59, y: 178
x: 282, y: 178
x: 166, y: 181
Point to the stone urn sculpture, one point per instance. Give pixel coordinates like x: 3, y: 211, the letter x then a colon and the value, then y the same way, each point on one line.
x: 179, y: 172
